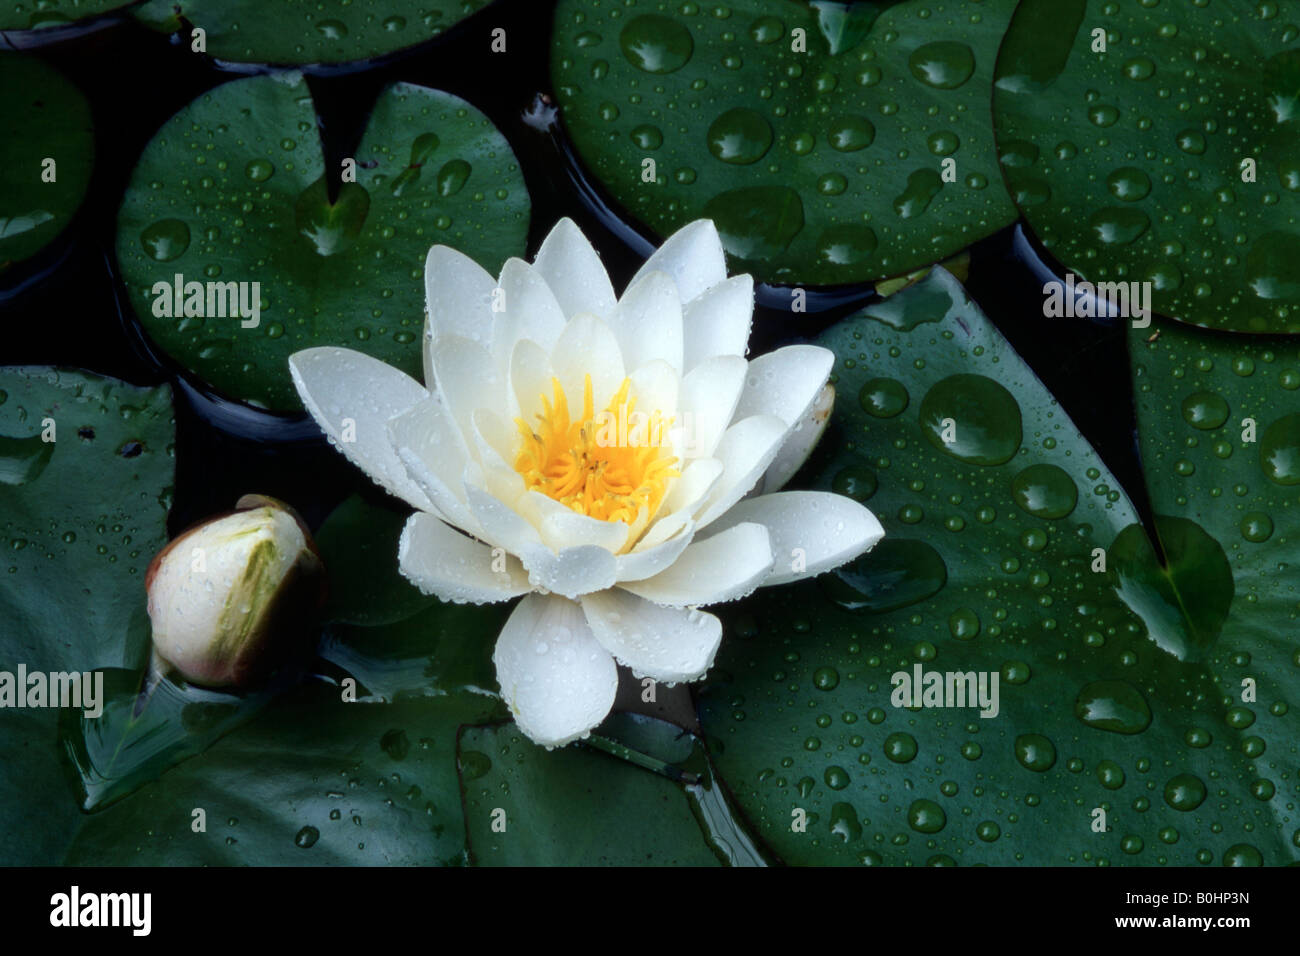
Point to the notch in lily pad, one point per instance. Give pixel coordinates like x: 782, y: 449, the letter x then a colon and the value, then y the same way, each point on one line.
x: 236, y: 253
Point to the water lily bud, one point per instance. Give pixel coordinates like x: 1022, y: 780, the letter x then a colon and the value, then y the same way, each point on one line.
x: 229, y: 598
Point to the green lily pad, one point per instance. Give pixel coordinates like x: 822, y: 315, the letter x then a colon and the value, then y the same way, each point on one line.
x: 1238, y: 491
x: 293, y: 32
x: 996, y: 571
x: 232, y: 189
x: 80, y: 519
x: 46, y: 15
x: 47, y: 148
x: 358, y: 544
x: 313, y: 780
x: 1170, y: 158
x: 526, y: 806
x: 821, y: 167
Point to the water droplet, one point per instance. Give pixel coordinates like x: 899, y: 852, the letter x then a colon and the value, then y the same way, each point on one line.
x: 926, y: 816
x: 846, y: 244
x: 1129, y: 184
x: 656, y: 44
x: 985, y: 416
x: 944, y: 64
x: 900, y: 747
x: 856, y: 481
x: 1256, y: 527
x: 756, y: 222
x: 740, y: 136
x: 850, y: 133
x: 166, y: 239
x: 1205, y: 410
x: 23, y: 459
x: 922, y: 186
x: 883, y: 397
x: 1045, y: 491
x: 1117, y: 226
x: 964, y: 624
x: 1035, y: 752
x: 1185, y: 792
x: 1270, y: 266
x: 1113, y: 705
x: 396, y: 744
x: 332, y: 29
x: 452, y: 177
x: 896, y: 573
x: 1279, y: 450
x: 306, y: 838
x: 259, y: 170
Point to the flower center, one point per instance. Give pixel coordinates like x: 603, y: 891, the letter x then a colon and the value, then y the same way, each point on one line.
x: 608, y: 465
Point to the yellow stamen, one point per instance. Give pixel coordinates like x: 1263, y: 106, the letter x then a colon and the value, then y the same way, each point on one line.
x: 607, y: 466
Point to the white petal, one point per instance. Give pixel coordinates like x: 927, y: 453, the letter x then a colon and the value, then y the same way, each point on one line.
x: 692, y: 256
x: 530, y: 378
x: 637, y: 565
x: 557, y: 679
x: 431, y: 449
x: 587, y: 346
x: 466, y: 378
x: 663, y: 530
x: 812, y: 531
x: 717, y: 322
x: 655, y: 387
x: 724, y: 567
x: 571, y: 572
x: 785, y: 383
x: 746, y: 449
x: 495, y: 439
x: 562, y: 527
x: 352, y: 396
x: 574, y: 272
x: 709, y: 395
x: 648, y: 321
x: 443, y: 562
x: 695, y: 481
x: 458, y: 295
x: 667, y: 643
x: 531, y: 312
x: 800, y: 442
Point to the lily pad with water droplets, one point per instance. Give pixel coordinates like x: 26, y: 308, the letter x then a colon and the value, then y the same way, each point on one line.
x: 47, y: 148
x: 297, y: 32
x: 232, y: 189
x: 312, y: 781
x: 579, y: 806
x: 80, y: 518
x: 825, y: 166
x: 21, y: 16
x: 1118, y: 683
x: 1171, y: 158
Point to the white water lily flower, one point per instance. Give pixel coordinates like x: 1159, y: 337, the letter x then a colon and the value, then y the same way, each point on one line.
x: 595, y: 456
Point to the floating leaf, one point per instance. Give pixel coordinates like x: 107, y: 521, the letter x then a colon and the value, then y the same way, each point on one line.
x: 1169, y: 157
x: 292, y: 32
x: 313, y: 780
x: 41, y: 15
x: 1010, y: 554
x: 526, y: 806
x: 47, y: 148
x: 78, y: 532
x: 823, y: 166
x: 232, y: 192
